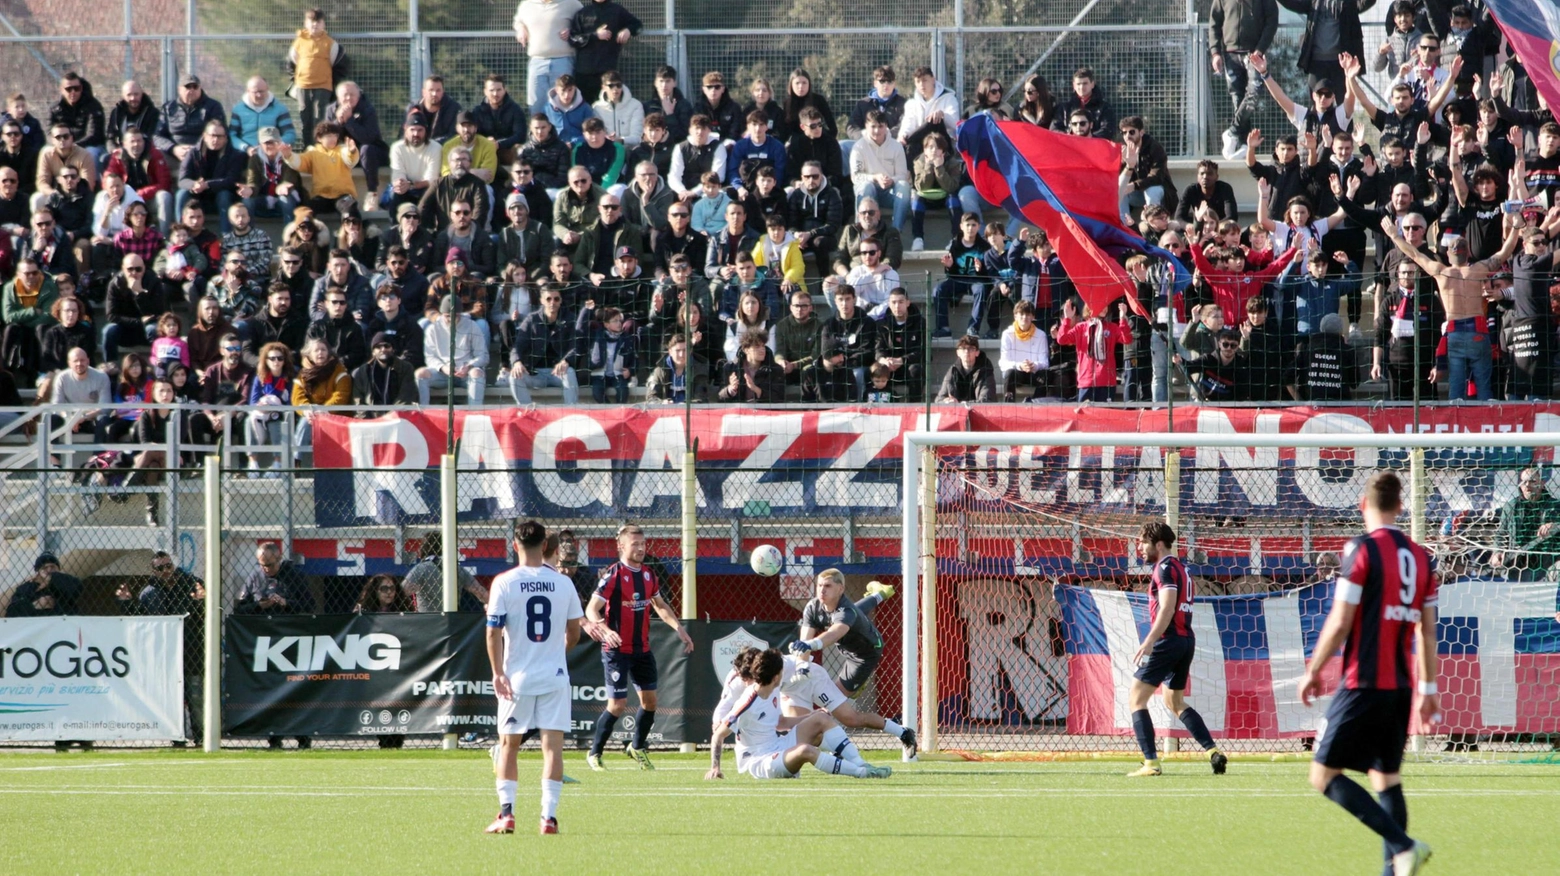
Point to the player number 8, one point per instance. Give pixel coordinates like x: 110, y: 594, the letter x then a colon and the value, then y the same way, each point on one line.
x: 1408, y: 573
x: 538, y: 619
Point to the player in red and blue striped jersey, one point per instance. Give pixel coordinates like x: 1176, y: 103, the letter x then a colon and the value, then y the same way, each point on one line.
x: 1383, y: 615
x: 1169, y: 648
x: 624, y: 598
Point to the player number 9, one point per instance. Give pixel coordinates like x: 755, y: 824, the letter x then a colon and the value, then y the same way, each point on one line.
x: 1408, y: 573
x: 538, y: 619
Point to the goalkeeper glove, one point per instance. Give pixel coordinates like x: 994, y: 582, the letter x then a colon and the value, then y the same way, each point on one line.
x: 800, y: 647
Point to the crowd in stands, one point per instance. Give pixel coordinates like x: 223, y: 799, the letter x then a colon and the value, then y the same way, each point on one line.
x: 718, y: 251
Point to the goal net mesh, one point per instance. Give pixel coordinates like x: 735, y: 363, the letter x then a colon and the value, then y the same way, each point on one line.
x: 1040, y: 597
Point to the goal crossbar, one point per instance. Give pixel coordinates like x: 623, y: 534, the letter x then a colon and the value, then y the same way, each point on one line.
x: 918, y: 491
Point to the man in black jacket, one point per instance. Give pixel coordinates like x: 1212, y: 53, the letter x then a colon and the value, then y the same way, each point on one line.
x: 397, y: 324
x: 500, y: 119
x: 901, y: 339
x: 353, y: 111
x: 1210, y: 190
x: 134, y: 108
x: 276, y: 587
x: 1236, y: 28
x: 884, y: 97
x: 340, y: 332
x: 598, y: 33
x: 210, y: 174
x: 545, y: 351
x: 184, y: 118
x: 78, y: 110
x: 279, y: 321
x: 730, y: 123
x: 972, y: 378
x: 173, y: 591
x: 849, y: 345
x: 815, y: 212
x: 49, y: 592
x: 1332, y: 27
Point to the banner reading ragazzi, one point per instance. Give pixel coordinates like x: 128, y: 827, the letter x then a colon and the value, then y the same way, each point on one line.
x: 91, y: 678
x: 756, y: 463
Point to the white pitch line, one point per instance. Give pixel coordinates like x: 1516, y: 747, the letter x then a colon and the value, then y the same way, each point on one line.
x: 738, y: 792
x: 74, y: 766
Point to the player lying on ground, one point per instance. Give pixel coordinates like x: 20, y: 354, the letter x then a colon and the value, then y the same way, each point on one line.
x: 1169, y: 648
x: 805, y: 685
x: 533, y: 619
x: 773, y: 746
x: 1383, y: 611
x: 831, y: 619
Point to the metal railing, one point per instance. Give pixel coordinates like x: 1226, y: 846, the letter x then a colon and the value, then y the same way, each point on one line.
x: 1156, y: 71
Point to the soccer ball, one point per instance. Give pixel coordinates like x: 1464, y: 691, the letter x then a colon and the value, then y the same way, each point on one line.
x: 766, y: 560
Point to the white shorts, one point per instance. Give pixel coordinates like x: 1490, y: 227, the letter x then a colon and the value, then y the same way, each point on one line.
x: 767, y: 762
x: 818, y: 689
x: 545, y: 711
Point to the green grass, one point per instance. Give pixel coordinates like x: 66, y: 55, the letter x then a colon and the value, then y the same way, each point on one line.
x: 424, y: 811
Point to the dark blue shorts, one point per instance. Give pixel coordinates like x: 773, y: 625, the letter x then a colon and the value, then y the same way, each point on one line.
x: 1365, y: 730
x: 1169, y: 663
x: 620, y: 667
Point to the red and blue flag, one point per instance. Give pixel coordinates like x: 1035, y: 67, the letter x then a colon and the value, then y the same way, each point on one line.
x: 1068, y: 186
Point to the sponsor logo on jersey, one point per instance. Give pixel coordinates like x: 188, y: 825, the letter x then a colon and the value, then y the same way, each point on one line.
x: 1400, y: 613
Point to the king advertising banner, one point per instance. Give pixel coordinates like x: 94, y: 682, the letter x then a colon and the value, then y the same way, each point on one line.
x: 755, y: 462
x: 1499, y: 671
x: 91, y: 678
x: 379, y: 674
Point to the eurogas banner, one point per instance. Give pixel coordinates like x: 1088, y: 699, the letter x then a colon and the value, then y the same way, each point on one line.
x: 91, y: 678
x: 379, y: 674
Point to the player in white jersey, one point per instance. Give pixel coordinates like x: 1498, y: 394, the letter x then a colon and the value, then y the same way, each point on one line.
x: 533, y: 618
x: 774, y: 746
x: 805, y: 685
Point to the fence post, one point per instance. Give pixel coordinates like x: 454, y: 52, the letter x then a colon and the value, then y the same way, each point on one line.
x: 169, y: 70
x: 939, y: 60
x: 909, y: 583
x: 171, y: 474
x: 42, y: 535
x: 450, y: 559
x: 1193, y: 89
x: 928, y: 501
x: 1173, y: 490
x: 189, y: 45
x: 690, y: 540
x: 1419, y: 488
x: 211, y: 681
x: 958, y: 50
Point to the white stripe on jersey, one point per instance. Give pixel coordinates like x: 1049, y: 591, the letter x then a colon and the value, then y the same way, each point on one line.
x: 534, y: 606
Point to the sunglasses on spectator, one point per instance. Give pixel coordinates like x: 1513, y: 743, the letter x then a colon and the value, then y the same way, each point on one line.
x: 812, y: 176
x: 335, y: 301
x: 866, y: 213
x: 161, y: 567
x: 45, y: 223
x: 682, y: 267
x: 813, y: 126
x: 608, y: 207
x: 460, y: 212
x: 1227, y: 346
x: 293, y: 262
x: 387, y: 588
x: 65, y: 136
x: 238, y: 348
x: 801, y: 307
x: 69, y: 89
x: 135, y: 270
x: 867, y: 252
x: 1413, y: 228
x: 678, y: 215
x: 13, y: 133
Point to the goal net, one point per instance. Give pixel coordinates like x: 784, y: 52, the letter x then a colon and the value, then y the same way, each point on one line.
x: 1023, y: 580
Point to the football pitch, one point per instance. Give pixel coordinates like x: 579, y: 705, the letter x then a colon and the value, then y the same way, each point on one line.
x: 424, y: 811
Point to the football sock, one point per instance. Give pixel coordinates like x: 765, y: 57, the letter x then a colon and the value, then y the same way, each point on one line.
x: 868, y: 603
x: 1348, y: 794
x: 835, y: 742
x: 828, y: 763
x: 604, y: 725
x: 551, y: 791
x: 892, y: 728
x: 1392, y: 800
x: 1193, y: 723
x: 506, y: 796
x: 1143, y: 726
x: 642, y: 724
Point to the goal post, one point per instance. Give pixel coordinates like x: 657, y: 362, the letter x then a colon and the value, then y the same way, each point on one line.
x: 1024, y: 597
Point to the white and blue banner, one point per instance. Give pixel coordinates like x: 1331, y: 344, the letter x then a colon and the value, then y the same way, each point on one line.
x: 91, y: 678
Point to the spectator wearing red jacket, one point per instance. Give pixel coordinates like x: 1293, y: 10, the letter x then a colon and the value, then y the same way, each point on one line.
x: 1096, y: 341
x: 1230, y: 281
x: 146, y: 170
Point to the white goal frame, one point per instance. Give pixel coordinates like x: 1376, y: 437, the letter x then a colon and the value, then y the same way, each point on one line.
x: 918, y: 565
